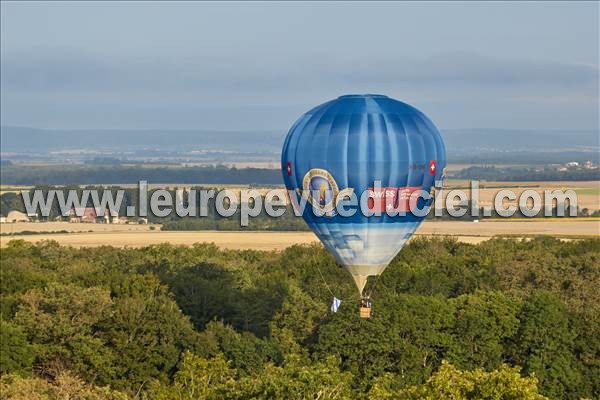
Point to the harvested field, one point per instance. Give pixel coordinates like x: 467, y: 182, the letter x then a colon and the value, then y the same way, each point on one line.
x: 587, y: 191
x: 12, y: 228
x: 469, y: 232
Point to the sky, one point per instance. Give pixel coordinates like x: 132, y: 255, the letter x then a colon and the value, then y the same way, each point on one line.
x: 238, y: 66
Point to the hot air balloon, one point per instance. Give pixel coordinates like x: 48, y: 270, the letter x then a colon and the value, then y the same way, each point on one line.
x: 358, y: 143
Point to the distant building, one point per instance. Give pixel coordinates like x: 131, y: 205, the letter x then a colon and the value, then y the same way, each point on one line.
x: 114, y: 216
x: 572, y: 164
x: 16, y: 216
x: 85, y: 215
x: 120, y: 220
x: 589, y: 165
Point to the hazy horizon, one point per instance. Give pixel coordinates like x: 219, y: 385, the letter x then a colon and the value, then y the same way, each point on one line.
x: 259, y: 66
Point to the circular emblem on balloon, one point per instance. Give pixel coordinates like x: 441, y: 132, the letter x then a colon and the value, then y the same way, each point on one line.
x: 322, y: 189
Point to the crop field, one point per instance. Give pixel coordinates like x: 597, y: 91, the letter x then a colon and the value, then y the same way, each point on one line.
x: 594, y: 191
x: 588, y: 192
x: 52, y: 227
x: 141, y: 235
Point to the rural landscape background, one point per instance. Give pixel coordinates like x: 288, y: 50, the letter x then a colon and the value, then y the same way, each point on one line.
x: 201, y: 95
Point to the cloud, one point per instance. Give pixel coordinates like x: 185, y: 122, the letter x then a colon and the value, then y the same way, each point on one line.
x: 197, y: 87
x: 465, y: 69
x: 68, y: 69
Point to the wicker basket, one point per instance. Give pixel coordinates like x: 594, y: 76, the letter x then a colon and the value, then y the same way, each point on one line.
x: 365, y: 312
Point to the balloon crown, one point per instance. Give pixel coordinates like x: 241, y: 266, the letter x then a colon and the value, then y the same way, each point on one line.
x: 361, y: 95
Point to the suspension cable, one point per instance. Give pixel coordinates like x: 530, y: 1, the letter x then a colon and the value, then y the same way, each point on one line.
x: 323, y: 278
x: 374, y: 286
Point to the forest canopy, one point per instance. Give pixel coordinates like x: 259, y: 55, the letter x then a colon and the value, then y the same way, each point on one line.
x: 504, y: 319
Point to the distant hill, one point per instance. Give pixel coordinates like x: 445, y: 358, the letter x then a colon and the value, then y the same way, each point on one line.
x: 458, y: 141
x: 464, y: 140
x: 23, y: 139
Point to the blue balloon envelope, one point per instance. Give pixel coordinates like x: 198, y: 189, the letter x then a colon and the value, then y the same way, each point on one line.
x: 359, y: 144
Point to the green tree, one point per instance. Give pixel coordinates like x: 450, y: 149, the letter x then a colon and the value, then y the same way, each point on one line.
x: 407, y: 335
x: 450, y: 383
x: 300, y: 315
x: 244, y: 351
x: 147, y: 330
x: 483, y: 323
x: 61, y: 322
x: 197, y: 378
x: 299, y: 379
x: 544, y: 345
x: 587, y: 348
x: 64, y: 386
x: 16, y: 354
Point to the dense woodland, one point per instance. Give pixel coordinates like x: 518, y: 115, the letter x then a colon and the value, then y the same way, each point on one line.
x: 505, y: 319
x: 91, y: 174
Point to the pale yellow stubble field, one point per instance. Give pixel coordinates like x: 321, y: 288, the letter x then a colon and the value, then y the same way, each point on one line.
x: 141, y: 235
x: 588, y: 192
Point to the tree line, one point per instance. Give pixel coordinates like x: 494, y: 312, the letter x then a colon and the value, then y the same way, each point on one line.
x: 527, y: 174
x: 92, y: 174
x: 97, y: 175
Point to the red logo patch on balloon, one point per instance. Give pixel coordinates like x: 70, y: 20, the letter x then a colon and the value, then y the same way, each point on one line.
x: 432, y: 167
x: 390, y: 199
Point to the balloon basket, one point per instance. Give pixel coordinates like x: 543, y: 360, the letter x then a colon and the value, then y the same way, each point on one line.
x: 365, y: 312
